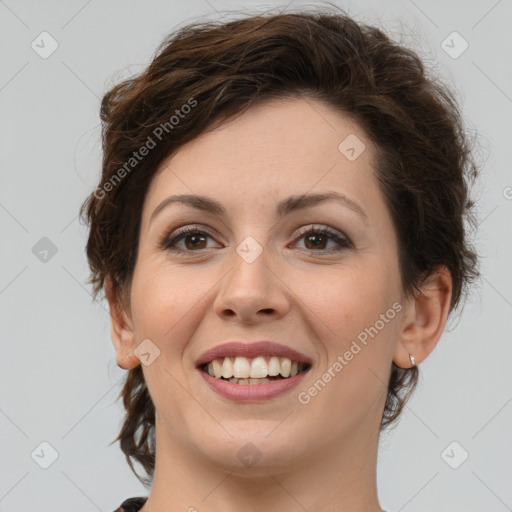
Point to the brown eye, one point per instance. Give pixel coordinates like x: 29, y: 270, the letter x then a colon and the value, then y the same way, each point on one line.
x: 316, y: 239
x: 190, y: 238
x: 196, y: 241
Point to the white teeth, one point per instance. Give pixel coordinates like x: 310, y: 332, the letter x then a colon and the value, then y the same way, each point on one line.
x: 286, y: 365
x: 241, y: 369
x: 259, y: 368
x: 249, y: 381
x: 274, y: 366
x: 217, y: 369
x: 227, y: 368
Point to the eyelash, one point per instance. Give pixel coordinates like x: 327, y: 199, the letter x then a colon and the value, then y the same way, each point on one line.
x: 168, y: 243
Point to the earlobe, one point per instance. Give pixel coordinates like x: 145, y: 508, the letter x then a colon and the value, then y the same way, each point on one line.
x: 121, y: 330
x: 424, y: 319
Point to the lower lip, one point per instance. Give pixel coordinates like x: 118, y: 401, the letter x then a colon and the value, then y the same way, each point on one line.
x: 252, y: 392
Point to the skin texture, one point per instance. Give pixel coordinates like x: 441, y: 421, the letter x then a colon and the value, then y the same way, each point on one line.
x: 320, y: 456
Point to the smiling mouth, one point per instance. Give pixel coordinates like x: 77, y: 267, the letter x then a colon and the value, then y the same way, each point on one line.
x: 258, y: 370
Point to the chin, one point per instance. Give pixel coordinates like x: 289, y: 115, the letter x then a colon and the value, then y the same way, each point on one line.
x: 255, y: 452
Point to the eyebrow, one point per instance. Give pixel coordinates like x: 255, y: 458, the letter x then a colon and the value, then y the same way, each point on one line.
x: 284, y: 207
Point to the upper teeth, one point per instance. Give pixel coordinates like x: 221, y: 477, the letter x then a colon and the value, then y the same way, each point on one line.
x: 243, y: 368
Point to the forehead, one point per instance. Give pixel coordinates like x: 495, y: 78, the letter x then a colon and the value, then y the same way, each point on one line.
x: 274, y: 149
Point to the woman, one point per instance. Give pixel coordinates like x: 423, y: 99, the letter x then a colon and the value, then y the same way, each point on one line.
x: 279, y: 231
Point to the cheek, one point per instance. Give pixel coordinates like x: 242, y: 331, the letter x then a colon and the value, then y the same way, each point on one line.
x: 355, y: 340
x: 348, y: 300
x: 162, y: 297
x: 165, y: 306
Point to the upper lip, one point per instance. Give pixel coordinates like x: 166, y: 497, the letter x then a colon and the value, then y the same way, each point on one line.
x: 258, y: 348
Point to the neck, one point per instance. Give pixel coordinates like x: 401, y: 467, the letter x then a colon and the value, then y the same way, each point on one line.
x: 329, y: 480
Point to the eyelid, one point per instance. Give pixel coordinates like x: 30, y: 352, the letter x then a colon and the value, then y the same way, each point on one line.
x: 322, y: 228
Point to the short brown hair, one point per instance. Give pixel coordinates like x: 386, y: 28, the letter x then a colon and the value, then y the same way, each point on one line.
x: 424, y: 158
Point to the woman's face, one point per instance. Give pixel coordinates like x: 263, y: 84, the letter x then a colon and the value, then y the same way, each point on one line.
x: 251, y: 273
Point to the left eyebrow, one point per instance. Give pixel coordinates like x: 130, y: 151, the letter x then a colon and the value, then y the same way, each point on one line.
x: 284, y: 207
x: 294, y: 203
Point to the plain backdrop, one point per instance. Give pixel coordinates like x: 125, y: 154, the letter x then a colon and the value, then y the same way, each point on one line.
x: 452, y: 450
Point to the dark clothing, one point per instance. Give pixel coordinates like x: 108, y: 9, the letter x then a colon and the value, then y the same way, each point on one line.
x: 135, y: 504
x: 132, y: 505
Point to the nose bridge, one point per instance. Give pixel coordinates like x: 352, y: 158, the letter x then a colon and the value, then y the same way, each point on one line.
x: 252, y: 242
x: 251, y: 285
x: 251, y: 264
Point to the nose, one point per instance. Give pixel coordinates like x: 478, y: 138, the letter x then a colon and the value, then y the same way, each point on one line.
x: 252, y: 291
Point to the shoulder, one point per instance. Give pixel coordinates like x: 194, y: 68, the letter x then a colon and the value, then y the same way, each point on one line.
x: 132, y: 504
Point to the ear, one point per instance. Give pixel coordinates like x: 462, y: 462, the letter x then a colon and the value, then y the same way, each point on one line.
x: 121, y: 330
x: 424, y: 319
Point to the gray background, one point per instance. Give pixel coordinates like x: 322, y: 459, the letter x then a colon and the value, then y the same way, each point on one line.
x: 59, y: 377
